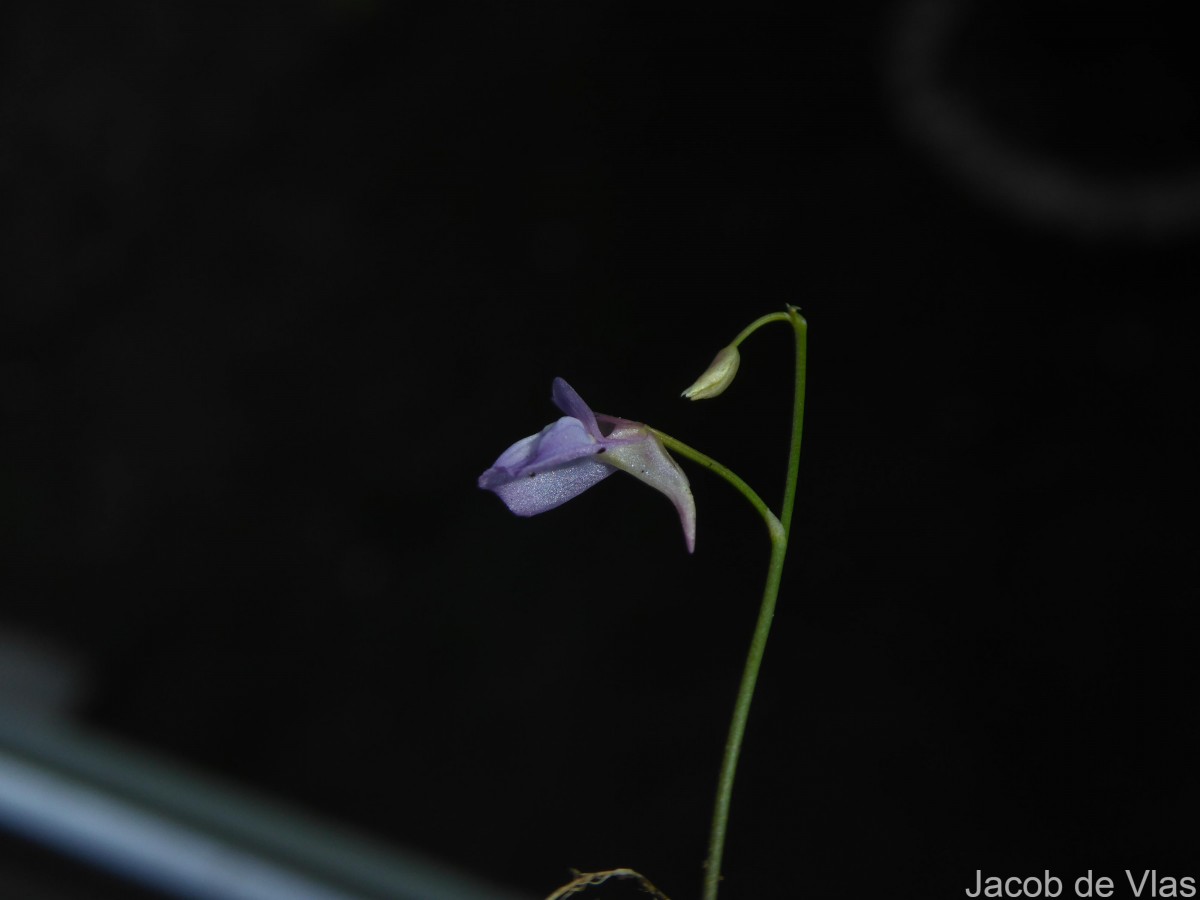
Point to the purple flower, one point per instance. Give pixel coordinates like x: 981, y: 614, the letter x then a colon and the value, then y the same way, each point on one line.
x: 567, y: 457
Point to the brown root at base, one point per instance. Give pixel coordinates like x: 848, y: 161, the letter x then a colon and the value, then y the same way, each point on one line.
x: 592, y: 879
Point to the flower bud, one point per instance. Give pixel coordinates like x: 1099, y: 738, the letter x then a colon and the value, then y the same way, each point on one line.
x: 718, y: 375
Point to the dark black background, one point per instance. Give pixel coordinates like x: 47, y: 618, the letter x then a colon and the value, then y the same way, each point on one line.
x: 275, y: 294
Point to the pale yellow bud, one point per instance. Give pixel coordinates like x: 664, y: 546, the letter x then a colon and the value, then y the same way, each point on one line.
x: 718, y: 375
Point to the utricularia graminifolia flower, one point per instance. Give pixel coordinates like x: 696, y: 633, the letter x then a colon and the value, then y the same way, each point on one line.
x: 580, y: 450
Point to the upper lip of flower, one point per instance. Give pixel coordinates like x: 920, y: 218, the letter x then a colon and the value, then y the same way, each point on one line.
x: 568, y: 456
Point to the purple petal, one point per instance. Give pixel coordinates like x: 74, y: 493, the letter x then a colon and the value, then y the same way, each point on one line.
x: 572, y: 404
x: 555, y: 445
x: 537, y: 492
x: 634, y: 449
x: 547, y: 469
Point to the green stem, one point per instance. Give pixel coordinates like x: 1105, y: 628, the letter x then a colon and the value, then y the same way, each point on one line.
x: 800, y: 327
x: 759, y: 323
x: 778, y: 530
